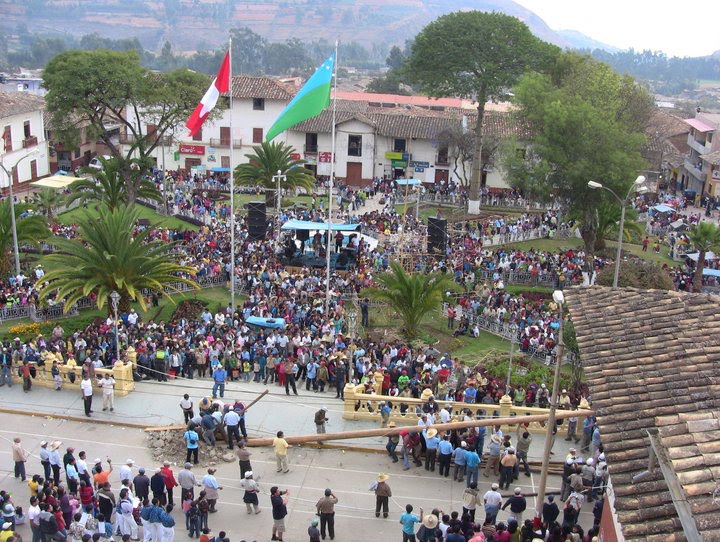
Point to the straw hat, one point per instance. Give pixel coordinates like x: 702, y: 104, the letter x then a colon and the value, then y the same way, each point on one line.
x: 430, y: 521
x: 55, y: 444
x: 382, y: 477
x: 431, y: 432
x: 392, y: 424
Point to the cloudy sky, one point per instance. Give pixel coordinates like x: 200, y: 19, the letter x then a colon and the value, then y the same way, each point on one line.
x: 686, y: 28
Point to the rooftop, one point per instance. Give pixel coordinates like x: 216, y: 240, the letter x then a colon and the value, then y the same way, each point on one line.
x: 17, y: 103
x: 246, y: 86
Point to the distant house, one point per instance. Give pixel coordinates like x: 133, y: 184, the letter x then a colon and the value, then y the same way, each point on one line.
x: 699, y: 173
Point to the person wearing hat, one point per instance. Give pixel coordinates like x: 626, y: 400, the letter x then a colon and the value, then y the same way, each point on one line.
x: 211, y: 488
x: 313, y: 531
x: 126, y: 470
x: 550, y: 511
x: 45, y: 459
x: 392, y: 443
x: 431, y: 444
x: 493, y: 461
x: 250, y: 497
x: 326, y: 511
x: 55, y: 461
x: 170, y: 482
x: 492, y: 501
x: 470, y: 500
x: 243, y: 455
x: 141, y: 485
x: 187, y: 481
x: 431, y: 531
x: 458, y: 457
x: 6, y: 367
x: 382, y: 495
x: 517, y: 504
x: 507, y: 468
x: 20, y: 456
x: 320, y: 420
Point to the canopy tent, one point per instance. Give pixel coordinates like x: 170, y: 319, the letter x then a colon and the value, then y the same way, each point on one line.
x: 220, y: 170
x: 679, y: 225
x: 662, y: 208
x: 319, y: 226
x: 56, y: 181
x: 708, y: 256
x: 273, y: 323
x: 711, y: 272
x: 409, y: 182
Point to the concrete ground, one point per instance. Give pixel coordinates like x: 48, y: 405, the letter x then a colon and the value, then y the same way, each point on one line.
x: 348, y: 473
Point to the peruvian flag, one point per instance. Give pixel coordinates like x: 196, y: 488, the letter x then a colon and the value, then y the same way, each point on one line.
x: 220, y: 84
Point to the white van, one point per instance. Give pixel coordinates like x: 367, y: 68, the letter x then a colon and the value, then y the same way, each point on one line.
x: 95, y: 163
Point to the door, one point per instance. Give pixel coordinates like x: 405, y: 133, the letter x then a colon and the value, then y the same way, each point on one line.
x: 33, y: 170
x: 354, y: 173
x: 190, y: 162
x: 225, y: 136
x: 441, y: 175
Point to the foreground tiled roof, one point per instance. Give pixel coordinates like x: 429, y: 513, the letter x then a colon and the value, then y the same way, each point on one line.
x: 651, y: 356
x: 418, y: 122
x: 245, y: 86
x: 17, y: 103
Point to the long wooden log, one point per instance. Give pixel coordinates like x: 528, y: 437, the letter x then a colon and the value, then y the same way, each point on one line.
x: 388, y: 431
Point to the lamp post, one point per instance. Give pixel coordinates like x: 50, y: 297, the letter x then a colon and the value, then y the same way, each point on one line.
x: 559, y: 298
x: 623, y: 204
x: 352, y: 323
x: 13, y: 226
x: 115, y: 301
x: 509, y: 373
x: 279, y: 178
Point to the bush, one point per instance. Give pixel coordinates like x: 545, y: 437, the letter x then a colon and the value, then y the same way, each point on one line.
x: 636, y: 273
x: 189, y: 309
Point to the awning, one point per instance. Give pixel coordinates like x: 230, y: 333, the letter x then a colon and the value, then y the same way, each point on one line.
x: 711, y: 272
x: 319, y: 226
x: 220, y: 170
x: 699, y: 125
x: 662, y: 208
x: 708, y: 256
x: 409, y: 182
x: 56, y: 181
x: 274, y: 323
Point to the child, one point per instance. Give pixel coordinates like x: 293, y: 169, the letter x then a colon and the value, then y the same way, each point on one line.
x: 57, y: 379
x: 86, y: 496
x: 206, y: 535
x: 34, y: 484
x: 247, y: 368
x: 192, y: 520
x: 313, y: 531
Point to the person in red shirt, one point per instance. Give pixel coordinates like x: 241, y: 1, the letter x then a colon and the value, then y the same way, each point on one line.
x: 170, y: 481
x: 27, y: 380
x: 86, y: 496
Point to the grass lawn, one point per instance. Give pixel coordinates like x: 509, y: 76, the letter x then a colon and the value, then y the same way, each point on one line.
x: 71, y: 217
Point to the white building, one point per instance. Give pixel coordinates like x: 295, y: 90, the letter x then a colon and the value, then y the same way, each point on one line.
x: 23, y: 134
x: 395, y: 136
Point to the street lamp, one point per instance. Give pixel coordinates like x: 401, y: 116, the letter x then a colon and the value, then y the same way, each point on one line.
x: 13, y: 226
x: 352, y: 323
x: 279, y: 178
x: 115, y: 301
x: 559, y: 298
x: 623, y: 204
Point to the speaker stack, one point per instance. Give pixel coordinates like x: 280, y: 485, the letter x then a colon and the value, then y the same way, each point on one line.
x: 257, y: 220
x: 437, y: 235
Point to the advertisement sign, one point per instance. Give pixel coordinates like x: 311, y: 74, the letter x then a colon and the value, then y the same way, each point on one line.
x: 295, y: 156
x: 324, y: 157
x: 398, y: 163
x: 192, y: 149
x: 404, y: 156
x: 419, y: 164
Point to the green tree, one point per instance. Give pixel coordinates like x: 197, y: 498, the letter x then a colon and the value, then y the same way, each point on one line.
x: 110, y: 256
x: 475, y: 55
x: 411, y: 295
x: 637, y: 273
x: 705, y: 237
x: 99, y: 88
x: 31, y: 230
x: 266, y: 160
x: 46, y: 201
x: 608, y: 220
x: 588, y: 125
x: 107, y: 187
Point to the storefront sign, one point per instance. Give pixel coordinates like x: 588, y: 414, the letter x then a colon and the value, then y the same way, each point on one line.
x: 404, y: 156
x: 419, y: 165
x: 419, y: 169
x: 295, y: 156
x: 192, y: 149
x: 398, y: 163
x: 324, y: 157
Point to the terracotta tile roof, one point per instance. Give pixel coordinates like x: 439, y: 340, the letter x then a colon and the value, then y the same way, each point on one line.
x: 245, y: 86
x: 651, y: 354
x: 17, y: 103
x: 712, y: 157
x: 409, y: 121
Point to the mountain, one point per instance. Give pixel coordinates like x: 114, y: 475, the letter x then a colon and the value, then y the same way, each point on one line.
x: 201, y: 24
x: 578, y: 40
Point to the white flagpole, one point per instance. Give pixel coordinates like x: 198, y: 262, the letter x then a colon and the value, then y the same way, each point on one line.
x: 232, y: 191
x: 330, y: 185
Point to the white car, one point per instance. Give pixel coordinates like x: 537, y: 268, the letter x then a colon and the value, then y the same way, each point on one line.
x: 95, y: 163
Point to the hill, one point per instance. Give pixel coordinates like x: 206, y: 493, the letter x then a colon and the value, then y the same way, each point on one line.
x: 201, y: 24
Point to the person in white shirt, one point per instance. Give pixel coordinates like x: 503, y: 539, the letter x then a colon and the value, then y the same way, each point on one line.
x: 86, y: 392
x: 132, y: 317
x: 126, y: 470
x: 492, y: 500
x: 107, y: 383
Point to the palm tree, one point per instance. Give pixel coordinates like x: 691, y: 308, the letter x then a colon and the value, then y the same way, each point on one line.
x: 31, y: 229
x: 46, y: 201
x: 608, y: 218
x: 411, y: 295
x: 109, y: 187
x: 705, y: 237
x: 110, y: 256
x: 267, y: 159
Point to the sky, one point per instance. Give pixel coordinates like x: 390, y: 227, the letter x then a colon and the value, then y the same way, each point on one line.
x: 684, y: 28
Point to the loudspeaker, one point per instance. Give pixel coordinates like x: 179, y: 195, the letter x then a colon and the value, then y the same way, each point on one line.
x: 437, y: 235
x: 257, y: 220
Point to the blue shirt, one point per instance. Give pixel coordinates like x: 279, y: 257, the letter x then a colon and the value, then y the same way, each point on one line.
x: 472, y: 459
x: 470, y: 395
x: 408, y: 523
x: 431, y: 443
x: 220, y: 375
x: 445, y: 447
x: 191, y: 439
x: 460, y: 454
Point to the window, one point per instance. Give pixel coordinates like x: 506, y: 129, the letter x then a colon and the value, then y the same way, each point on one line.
x: 224, y: 135
x: 198, y: 135
x: 355, y: 145
x: 311, y: 142
x: 76, y: 153
x: 399, y: 145
x: 26, y: 129
x: 225, y: 161
x: 257, y: 135
x: 442, y: 157
x: 7, y: 137
x: 709, y: 137
x: 258, y: 104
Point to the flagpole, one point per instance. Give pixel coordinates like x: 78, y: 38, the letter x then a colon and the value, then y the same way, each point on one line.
x: 330, y: 185
x: 232, y: 190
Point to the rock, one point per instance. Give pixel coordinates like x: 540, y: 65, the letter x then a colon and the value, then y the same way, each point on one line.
x: 212, y: 463
x: 228, y: 457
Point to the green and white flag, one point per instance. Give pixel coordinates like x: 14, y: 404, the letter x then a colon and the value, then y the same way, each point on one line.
x: 313, y: 97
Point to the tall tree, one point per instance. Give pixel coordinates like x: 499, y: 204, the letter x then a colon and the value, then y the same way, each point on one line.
x: 266, y: 160
x: 705, y: 237
x: 47, y: 201
x: 94, y: 89
x: 111, y: 256
x: 31, y: 230
x: 475, y: 55
x: 588, y: 125
x: 411, y: 295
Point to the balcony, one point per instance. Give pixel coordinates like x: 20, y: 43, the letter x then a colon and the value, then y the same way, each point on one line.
x: 693, y: 169
x: 222, y: 142
x: 699, y: 146
x: 30, y: 141
x: 442, y: 160
x: 311, y: 149
x: 130, y: 139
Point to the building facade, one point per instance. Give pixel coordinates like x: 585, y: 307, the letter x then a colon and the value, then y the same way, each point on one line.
x: 699, y: 173
x: 24, y: 146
